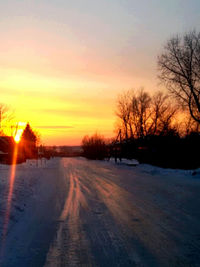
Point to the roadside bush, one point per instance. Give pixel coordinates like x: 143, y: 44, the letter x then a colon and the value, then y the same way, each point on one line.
x: 94, y: 147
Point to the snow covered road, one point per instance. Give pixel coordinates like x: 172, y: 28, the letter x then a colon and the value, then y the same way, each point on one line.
x: 92, y: 213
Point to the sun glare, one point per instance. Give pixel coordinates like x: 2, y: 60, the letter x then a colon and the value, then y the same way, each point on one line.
x: 9, y: 199
x: 18, y: 135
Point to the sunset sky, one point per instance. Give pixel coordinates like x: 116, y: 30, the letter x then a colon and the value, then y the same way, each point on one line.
x: 63, y: 63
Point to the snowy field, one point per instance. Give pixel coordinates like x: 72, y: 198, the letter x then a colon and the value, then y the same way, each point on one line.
x: 75, y: 212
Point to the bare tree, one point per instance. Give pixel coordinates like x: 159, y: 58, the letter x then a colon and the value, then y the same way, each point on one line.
x: 162, y: 115
x: 141, y: 113
x: 6, y: 116
x: 189, y: 125
x: 179, y: 67
x: 158, y: 108
x: 124, y: 113
x: 133, y: 110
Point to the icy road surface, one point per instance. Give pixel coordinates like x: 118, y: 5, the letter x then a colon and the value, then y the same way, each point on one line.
x: 92, y: 213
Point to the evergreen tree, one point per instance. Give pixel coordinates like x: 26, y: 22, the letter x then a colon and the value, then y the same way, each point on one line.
x: 28, y: 135
x: 28, y: 142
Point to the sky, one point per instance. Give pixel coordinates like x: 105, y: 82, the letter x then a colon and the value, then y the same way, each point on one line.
x: 63, y: 63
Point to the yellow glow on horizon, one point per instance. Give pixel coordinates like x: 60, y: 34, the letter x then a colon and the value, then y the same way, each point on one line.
x: 60, y: 109
x: 79, y: 105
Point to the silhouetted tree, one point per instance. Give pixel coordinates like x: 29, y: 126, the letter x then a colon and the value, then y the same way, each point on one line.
x: 179, y: 67
x: 124, y: 106
x: 28, y: 134
x: 189, y: 125
x: 141, y: 113
x: 6, y: 116
x: 94, y: 147
x: 153, y: 121
x: 28, y: 142
x: 163, y: 113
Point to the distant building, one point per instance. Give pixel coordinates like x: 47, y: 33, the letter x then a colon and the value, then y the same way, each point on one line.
x: 7, y: 145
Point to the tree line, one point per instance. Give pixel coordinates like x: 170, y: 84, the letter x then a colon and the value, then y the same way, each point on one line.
x: 162, y: 128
